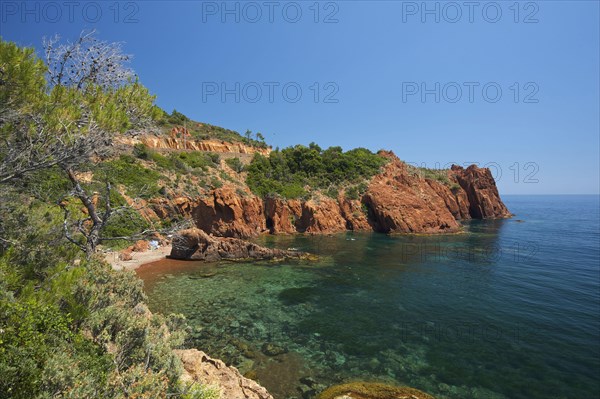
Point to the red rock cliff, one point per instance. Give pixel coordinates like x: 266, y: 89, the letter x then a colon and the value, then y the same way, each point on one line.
x: 482, y: 194
x: 397, y: 200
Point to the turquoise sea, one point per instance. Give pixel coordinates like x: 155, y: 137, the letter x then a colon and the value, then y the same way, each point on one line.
x: 510, y: 309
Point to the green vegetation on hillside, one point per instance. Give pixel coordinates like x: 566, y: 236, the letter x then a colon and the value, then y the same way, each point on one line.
x: 205, y: 131
x: 289, y: 171
x: 182, y: 162
x: 70, y: 326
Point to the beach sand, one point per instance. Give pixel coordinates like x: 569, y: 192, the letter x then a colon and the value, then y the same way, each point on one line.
x: 139, y: 258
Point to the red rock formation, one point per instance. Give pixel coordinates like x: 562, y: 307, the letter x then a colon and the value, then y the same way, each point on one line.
x: 482, y: 193
x: 456, y: 200
x: 354, y: 213
x: 228, y: 214
x: 398, y: 200
x: 321, y: 216
x: 282, y: 215
x: 195, y: 244
x: 403, y: 202
x: 169, y: 208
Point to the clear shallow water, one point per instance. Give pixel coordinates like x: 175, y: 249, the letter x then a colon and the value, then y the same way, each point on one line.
x: 509, y: 310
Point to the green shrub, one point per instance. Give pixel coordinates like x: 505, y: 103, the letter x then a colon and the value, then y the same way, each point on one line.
x: 312, y: 166
x: 352, y: 193
x: 435, y: 174
x: 138, y: 180
x: 235, y: 164
x: 216, y: 183
x: 123, y: 224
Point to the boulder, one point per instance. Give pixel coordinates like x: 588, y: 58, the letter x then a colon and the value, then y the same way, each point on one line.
x: 371, y: 390
x: 195, y: 244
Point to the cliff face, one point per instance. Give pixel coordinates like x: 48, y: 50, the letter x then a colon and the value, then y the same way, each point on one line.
x: 481, y: 192
x: 181, y: 143
x: 403, y: 202
x: 398, y: 200
x: 229, y: 213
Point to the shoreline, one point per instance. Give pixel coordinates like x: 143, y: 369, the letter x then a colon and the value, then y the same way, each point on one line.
x: 139, y: 258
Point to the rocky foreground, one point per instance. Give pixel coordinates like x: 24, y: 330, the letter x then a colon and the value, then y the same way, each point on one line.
x: 199, y: 367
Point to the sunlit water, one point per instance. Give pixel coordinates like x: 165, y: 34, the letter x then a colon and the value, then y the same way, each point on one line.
x: 510, y: 309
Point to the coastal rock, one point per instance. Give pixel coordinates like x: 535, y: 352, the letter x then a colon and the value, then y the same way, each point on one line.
x: 455, y: 199
x: 126, y: 255
x: 371, y: 390
x: 482, y: 193
x: 140, y: 246
x: 198, y: 366
x: 321, y: 216
x: 226, y: 213
x: 167, y: 208
x: 195, y: 244
x: 271, y: 349
x: 398, y: 200
x: 403, y: 202
x: 354, y: 213
x: 282, y: 215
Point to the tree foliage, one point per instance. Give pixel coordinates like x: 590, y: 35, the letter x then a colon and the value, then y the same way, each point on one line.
x: 289, y: 171
x: 71, y: 327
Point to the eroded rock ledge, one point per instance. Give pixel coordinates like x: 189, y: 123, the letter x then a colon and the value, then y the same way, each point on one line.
x: 195, y: 244
x: 199, y: 367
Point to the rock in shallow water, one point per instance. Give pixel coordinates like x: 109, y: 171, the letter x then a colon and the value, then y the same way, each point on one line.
x: 195, y: 244
x: 271, y: 349
x: 371, y: 390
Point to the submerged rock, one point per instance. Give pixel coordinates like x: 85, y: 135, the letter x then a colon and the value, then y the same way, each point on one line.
x: 195, y: 244
x: 271, y: 349
x: 371, y: 390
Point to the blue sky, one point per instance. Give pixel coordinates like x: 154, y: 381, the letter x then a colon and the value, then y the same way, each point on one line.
x: 424, y: 83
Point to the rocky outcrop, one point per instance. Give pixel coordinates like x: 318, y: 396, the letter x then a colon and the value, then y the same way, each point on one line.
x: 281, y: 215
x: 371, y: 390
x: 355, y: 214
x: 397, y: 200
x: 184, y: 143
x: 199, y: 367
x: 173, y: 207
x: 403, y: 202
x: 321, y: 216
x: 316, y: 216
x: 227, y: 213
x: 195, y: 244
x: 481, y: 191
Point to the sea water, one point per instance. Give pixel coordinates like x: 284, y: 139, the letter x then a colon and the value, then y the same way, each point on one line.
x: 509, y: 309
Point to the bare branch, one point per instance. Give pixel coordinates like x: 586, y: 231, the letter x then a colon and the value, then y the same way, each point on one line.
x: 87, y: 61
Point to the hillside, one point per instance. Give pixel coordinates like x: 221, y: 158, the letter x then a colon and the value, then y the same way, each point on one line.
x: 239, y: 189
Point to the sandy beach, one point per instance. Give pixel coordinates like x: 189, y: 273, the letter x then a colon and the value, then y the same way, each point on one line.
x: 139, y: 258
